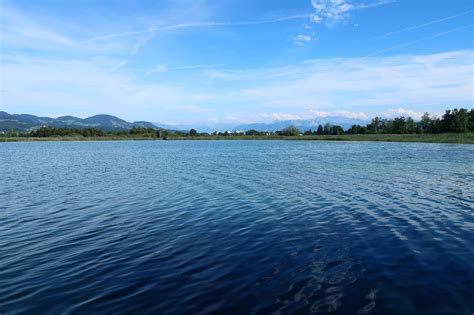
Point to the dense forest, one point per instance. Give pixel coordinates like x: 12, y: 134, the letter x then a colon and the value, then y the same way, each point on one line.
x: 452, y: 121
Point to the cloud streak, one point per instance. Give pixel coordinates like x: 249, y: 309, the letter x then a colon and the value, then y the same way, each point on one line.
x: 154, y: 29
x: 406, y: 29
x: 419, y: 40
x: 20, y: 30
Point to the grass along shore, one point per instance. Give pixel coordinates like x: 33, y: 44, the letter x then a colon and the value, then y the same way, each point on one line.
x: 463, y: 138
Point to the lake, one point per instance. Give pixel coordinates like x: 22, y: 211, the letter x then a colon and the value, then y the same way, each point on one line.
x: 236, y: 227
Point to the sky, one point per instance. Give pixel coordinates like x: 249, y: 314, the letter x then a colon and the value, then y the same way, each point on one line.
x: 236, y: 61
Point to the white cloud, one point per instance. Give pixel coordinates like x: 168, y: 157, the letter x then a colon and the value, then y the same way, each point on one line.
x: 157, y: 69
x: 280, y: 116
x: 370, y: 84
x: 301, y: 39
x: 41, y: 32
x: 154, y: 29
x: 90, y: 87
x: 163, y: 68
x: 348, y: 87
x: 224, y: 75
x: 44, y: 33
x: 332, y: 11
x: 21, y: 30
x: 339, y: 113
x: 391, y: 113
x: 231, y: 118
x: 316, y: 19
x: 142, y: 41
x: 337, y: 11
x: 194, y: 109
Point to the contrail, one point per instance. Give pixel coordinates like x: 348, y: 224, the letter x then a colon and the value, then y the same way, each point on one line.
x: 201, y: 24
x: 419, y: 40
x: 420, y: 25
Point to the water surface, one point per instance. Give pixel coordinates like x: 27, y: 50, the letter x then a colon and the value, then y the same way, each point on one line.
x: 236, y: 227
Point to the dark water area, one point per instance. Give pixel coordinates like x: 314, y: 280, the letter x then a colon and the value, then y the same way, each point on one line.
x: 236, y: 227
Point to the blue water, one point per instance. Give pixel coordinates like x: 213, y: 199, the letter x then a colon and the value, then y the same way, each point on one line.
x: 236, y: 227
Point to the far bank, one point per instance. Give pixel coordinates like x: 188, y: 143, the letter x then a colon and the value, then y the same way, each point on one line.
x: 460, y: 138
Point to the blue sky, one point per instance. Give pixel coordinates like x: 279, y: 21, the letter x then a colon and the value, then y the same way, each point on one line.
x: 236, y: 61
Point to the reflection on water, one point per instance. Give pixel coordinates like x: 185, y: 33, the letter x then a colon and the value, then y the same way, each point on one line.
x: 236, y: 227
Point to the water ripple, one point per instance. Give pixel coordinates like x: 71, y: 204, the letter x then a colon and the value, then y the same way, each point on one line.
x: 231, y: 227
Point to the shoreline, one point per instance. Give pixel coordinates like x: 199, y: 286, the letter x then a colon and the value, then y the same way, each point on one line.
x: 455, y: 138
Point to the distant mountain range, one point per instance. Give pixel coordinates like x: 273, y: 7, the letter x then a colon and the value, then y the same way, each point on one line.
x: 25, y: 122
x: 199, y: 127
x: 303, y: 125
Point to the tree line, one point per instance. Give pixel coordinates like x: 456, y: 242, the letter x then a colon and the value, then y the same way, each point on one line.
x: 455, y: 120
x: 48, y: 131
x: 452, y: 121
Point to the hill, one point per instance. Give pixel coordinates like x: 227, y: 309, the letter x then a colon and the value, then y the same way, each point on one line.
x: 24, y: 122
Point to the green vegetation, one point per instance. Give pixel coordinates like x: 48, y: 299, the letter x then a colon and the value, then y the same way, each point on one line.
x: 63, y: 132
x: 455, y: 126
x: 456, y: 120
x: 460, y: 138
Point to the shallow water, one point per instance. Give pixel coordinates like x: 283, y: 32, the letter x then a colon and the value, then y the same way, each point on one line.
x: 236, y: 227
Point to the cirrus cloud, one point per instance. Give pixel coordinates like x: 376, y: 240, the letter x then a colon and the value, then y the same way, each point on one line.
x: 337, y: 11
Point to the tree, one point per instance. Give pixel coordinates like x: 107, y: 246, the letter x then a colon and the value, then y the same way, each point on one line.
x: 447, y: 122
x: 320, y: 130
x: 461, y: 119
x: 456, y: 120
x: 12, y: 133
x: 290, y: 131
x: 435, y: 125
x: 425, y: 123
x: 398, y: 125
x: 327, y: 129
x: 163, y: 133
x: 375, y: 125
x: 336, y: 130
x: 192, y: 132
x: 470, y: 124
x: 410, y: 125
x: 252, y: 132
x: 356, y: 129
